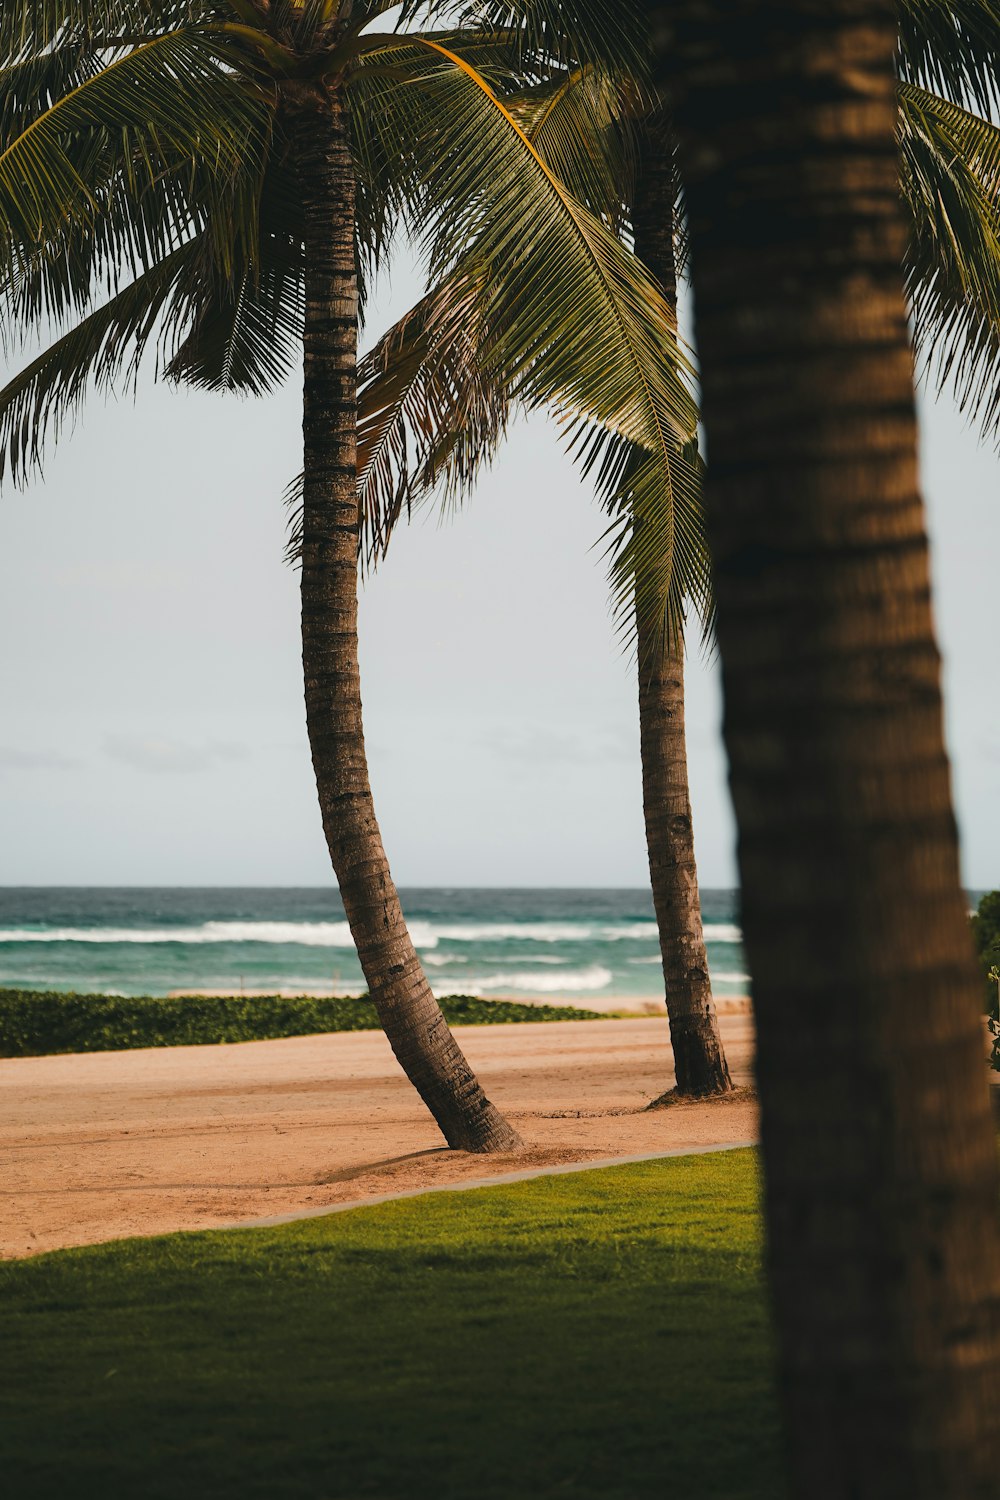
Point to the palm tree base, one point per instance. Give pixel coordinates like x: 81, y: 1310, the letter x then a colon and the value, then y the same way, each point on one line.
x: 700, y: 1067
x: 490, y: 1135
x: 730, y: 1095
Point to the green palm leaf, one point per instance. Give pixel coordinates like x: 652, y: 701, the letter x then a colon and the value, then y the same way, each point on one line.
x: 589, y: 336
x: 578, y: 124
x: 590, y: 31
x: 31, y: 86
x: 952, y: 47
x: 103, y: 349
x: 950, y: 172
x: 430, y: 415
x: 35, y: 26
x: 246, y: 334
x: 170, y: 97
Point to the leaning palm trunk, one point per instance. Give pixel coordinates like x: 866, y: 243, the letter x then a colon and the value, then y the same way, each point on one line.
x: 408, y: 1012
x: 879, y: 1149
x: 699, y: 1060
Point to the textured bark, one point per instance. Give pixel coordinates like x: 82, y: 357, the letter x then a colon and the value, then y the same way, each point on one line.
x: 408, y: 1012
x: 879, y: 1149
x: 699, y: 1059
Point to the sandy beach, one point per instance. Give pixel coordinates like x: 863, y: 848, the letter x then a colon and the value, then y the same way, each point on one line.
x: 104, y: 1145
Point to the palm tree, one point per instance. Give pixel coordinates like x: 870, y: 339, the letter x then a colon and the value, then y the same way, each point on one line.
x: 700, y: 1067
x: 879, y: 1149
x: 428, y: 416
x: 243, y: 218
x: 432, y: 413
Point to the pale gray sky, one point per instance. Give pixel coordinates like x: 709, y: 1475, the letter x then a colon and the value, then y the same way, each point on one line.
x: 151, y: 724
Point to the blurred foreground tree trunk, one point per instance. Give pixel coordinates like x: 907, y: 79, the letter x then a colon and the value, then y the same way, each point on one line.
x: 880, y: 1154
x: 699, y: 1059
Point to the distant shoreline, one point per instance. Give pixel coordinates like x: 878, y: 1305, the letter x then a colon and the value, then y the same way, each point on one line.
x: 37, y: 1023
x: 597, y: 947
x: 729, y: 1005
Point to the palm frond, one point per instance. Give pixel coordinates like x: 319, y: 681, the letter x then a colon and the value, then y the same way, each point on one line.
x: 589, y: 31
x: 553, y: 275
x: 36, y: 26
x: 32, y: 85
x: 135, y: 220
x: 659, y: 560
x: 102, y: 350
x: 169, y: 98
x: 952, y: 47
x: 577, y: 122
x: 950, y: 175
x: 429, y: 413
x: 565, y: 318
x: 244, y: 333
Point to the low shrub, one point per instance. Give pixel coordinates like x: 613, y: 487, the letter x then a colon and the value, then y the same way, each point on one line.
x: 986, y: 938
x: 35, y: 1023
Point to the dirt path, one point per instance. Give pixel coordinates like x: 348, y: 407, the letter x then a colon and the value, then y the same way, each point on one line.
x: 104, y: 1145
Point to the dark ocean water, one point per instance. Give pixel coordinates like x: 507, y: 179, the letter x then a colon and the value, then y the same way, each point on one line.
x: 553, y: 943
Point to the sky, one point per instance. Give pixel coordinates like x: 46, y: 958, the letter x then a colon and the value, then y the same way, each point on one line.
x: 151, y: 721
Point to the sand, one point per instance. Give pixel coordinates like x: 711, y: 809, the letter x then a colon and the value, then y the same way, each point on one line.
x: 104, y: 1145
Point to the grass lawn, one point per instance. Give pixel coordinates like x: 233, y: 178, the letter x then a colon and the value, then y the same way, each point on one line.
x: 595, y: 1335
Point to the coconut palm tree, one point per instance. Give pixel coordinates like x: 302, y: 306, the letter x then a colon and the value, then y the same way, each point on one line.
x: 879, y: 1149
x: 229, y: 232
x: 426, y: 415
x: 430, y: 415
x: 700, y: 1067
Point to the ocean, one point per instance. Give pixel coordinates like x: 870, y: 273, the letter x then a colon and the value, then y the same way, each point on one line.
x: 551, y: 944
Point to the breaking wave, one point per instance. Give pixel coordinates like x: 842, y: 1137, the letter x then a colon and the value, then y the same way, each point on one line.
x: 338, y: 934
x: 594, y: 977
x: 722, y: 932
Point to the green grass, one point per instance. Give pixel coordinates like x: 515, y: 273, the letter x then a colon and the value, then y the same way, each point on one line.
x: 35, y: 1023
x: 595, y: 1335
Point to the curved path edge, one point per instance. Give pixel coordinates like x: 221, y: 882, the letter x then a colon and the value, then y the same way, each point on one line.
x: 526, y: 1175
x: 106, y: 1146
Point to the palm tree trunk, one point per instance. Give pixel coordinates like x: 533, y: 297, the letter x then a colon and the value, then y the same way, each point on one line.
x: 409, y: 1014
x: 700, y: 1066
x: 880, y: 1154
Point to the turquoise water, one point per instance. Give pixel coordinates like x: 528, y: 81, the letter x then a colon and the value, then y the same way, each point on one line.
x: 543, y: 943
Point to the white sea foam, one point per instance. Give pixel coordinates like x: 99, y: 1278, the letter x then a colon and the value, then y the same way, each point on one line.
x: 722, y: 932
x: 103, y: 935
x: 594, y: 977
x: 306, y: 934
x: 544, y: 932
x: 502, y: 932
x: 437, y: 960
x: 425, y: 935
x: 723, y: 977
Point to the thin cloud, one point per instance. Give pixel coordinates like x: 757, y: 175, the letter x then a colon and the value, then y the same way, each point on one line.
x: 167, y: 757
x: 12, y: 759
x: 540, y: 746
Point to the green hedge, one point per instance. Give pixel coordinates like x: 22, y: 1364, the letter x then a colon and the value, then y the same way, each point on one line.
x: 34, y: 1023
x: 986, y: 937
